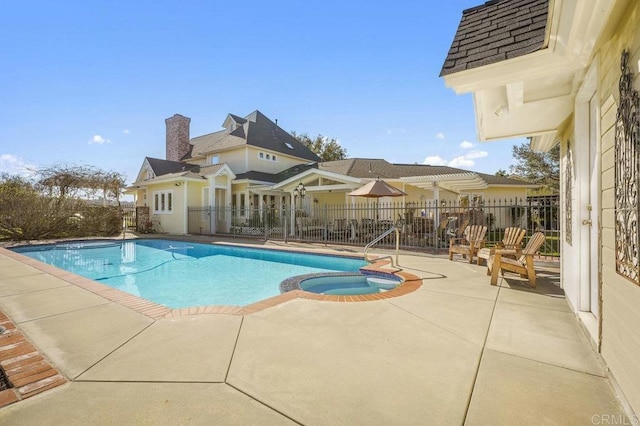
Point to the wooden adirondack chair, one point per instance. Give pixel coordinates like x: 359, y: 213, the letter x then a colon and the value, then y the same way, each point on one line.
x: 512, y: 240
x: 468, y: 245
x: 523, y: 265
x: 459, y: 232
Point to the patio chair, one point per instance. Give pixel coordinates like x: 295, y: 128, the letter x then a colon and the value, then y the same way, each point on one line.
x: 523, y: 265
x: 438, y: 233
x: 459, y: 231
x: 512, y: 240
x: 468, y: 245
x: 354, y: 228
x: 338, y: 228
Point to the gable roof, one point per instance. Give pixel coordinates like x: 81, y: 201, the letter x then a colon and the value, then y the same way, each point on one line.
x: 163, y: 167
x: 496, y: 31
x: 255, y: 130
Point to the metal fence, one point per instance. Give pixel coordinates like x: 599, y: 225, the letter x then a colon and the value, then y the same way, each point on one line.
x: 427, y: 225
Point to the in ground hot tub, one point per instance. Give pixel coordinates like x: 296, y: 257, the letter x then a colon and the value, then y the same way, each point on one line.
x: 351, y: 284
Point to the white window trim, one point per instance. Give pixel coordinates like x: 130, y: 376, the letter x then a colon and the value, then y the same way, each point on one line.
x: 156, y: 205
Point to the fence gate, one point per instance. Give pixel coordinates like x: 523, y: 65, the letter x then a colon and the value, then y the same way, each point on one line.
x: 200, y: 220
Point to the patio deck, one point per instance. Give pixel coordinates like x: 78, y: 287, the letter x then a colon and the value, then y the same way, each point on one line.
x: 455, y: 351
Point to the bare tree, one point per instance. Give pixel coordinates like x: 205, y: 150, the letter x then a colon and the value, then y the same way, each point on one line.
x: 60, y: 202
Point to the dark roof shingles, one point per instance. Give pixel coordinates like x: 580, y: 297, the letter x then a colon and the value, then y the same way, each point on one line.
x: 496, y: 31
x: 163, y: 167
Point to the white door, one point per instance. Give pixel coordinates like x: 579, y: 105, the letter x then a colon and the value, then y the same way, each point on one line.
x: 590, y: 204
x: 594, y: 208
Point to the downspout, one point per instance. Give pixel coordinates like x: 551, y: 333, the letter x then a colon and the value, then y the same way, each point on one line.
x: 212, y: 204
x: 186, y: 208
x: 293, y: 215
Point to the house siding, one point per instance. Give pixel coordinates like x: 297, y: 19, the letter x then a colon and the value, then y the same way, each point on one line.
x: 620, y: 343
x: 169, y: 222
x: 282, y: 162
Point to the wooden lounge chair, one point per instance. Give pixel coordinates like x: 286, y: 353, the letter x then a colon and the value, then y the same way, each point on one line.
x: 523, y: 265
x: 468, y: 245
x: 512, y: 240
x: 459, y: 232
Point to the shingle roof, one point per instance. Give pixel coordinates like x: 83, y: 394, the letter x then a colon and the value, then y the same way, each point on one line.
x: 496, y: 31
x: 375, y: 167
x: 259, y: 176
x: 277, y: 177
x: 362, y: 168
x: 237, y: 119
x: 163, y: 167
x: 257, y: 131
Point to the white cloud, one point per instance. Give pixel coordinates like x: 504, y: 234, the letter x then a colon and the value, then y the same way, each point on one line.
x: 435, y: 160
x: 15, y: 165
x: 440, y: 135
x: 99, y: 140
x: 461, y: 161
x: 464, y: 161
x: 466, y: 145
x: 126, y: 131
x: 476, y: 154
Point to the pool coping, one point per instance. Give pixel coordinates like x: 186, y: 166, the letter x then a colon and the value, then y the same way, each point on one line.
x: 156, y: 311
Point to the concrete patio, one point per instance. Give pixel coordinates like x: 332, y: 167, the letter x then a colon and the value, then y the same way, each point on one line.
x: 455, y: 351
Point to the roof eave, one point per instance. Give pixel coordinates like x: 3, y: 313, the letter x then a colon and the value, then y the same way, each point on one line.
x: 503, y: 109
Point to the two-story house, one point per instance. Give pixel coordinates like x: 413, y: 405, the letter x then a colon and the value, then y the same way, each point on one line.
x: 252, y: 163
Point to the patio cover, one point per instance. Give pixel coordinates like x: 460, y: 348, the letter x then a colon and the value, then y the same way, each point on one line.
x: 452, y: 182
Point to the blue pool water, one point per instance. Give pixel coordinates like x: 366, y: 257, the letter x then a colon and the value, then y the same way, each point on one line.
x: 178, y: 274
x: 349, y: 284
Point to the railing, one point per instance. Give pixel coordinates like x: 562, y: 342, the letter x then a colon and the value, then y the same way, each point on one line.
x: 426, y: 226
x: 380, y: 238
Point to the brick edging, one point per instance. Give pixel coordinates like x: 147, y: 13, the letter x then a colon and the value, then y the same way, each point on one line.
x: 26, y: 369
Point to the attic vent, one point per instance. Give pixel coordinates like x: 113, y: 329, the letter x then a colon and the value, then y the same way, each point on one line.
x: 288, y: 145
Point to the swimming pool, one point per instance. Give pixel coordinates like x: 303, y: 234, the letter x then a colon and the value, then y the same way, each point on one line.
x: 180, y: 274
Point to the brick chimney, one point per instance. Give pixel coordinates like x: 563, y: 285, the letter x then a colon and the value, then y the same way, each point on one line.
x: 177, y: 137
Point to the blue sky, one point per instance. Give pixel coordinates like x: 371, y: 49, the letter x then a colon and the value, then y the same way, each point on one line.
x: 90, y: 83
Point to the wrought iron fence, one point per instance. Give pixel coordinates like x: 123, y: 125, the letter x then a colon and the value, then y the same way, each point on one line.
x: 427, y: 225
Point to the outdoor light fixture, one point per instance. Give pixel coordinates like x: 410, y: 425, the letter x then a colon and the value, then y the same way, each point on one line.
x: 443, y: 203
x: 300, y: 190
x: 502, y: 109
